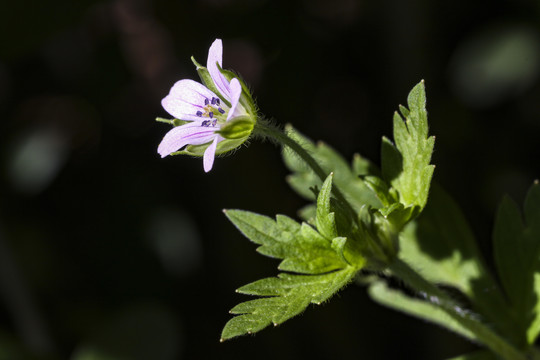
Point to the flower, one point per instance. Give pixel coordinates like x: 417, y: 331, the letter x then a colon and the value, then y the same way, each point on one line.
x: 207, y: 114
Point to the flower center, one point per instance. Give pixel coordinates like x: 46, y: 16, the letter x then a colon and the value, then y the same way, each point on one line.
x: 213, y: 111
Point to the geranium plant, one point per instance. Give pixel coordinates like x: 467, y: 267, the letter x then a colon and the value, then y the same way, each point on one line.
x: 367, y: 222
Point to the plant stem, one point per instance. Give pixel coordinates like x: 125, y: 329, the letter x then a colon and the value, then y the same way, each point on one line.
x: 267, y: 130
x: 436, y: 296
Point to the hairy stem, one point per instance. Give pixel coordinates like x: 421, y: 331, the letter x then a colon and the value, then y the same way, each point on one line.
x: 436, y: 296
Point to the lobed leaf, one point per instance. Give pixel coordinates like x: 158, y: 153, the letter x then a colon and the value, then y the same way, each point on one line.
x: 301, y: 247
x: 516, y: 246
x: 406, y: 165
x: 289, y: 295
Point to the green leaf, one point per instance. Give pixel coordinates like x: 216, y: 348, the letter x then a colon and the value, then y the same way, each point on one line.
x: 396, y: 300
x: 301, y: 247
x: 406, y: 166
x: 288, y: 294
x: 516, y: 246
x: 325, y: 219
x: 347, y: 178
x: 440, y: 245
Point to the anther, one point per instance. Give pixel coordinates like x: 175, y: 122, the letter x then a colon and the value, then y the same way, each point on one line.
x: 214, y: 101
x: 205, y: 123
x: 214, y: 122
x: 221, y: 110
x: 199, y: 113
x: 210, y: 114
x: 217, y: 101
x: 206, y: 102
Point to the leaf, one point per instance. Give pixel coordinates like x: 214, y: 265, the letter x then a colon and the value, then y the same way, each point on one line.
x: 347, y: 179
x: 288, y: 294
x: 325, y: 219
x: 301, y: 247
x: 441, y: 247
x: 516, y: 247
x: 406, y: 166
x: 396, y: 300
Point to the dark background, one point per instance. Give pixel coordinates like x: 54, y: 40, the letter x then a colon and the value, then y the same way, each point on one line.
x: 109, y: 252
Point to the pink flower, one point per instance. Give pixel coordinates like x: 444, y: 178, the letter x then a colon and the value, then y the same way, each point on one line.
x: 205, y: 111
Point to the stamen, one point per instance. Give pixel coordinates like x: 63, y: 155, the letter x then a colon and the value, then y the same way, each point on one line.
x: 199, y: 113
x: 217, y: 101
x: 221, y: 110
x: 205, y: 123
x: 213, y: 101
x: 214, y: 122
x: 211, y: 114
x: 206, y: 102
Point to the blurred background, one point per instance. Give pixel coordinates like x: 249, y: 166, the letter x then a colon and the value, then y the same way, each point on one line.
x: 109, y: 252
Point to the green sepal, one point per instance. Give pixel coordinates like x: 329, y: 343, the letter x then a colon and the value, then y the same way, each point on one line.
x: 173, y: 122
x: 237, y: 128
x: 245, y: 99
x: 222, y: 147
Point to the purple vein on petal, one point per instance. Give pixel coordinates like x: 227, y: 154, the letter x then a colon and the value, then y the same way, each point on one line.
x: 188, y: 134
x: 185, y: 98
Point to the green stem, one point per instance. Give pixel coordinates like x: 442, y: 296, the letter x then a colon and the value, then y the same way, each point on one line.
x: 267, y: 130
x: 436, y: 296
x: 274, y: 133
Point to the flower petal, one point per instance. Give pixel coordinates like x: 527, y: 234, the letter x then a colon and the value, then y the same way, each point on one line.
x: 236, y: 92
x: 209, y: 155
x: 215, y: 55
x: 185, y: 99
x: 189, y: 134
